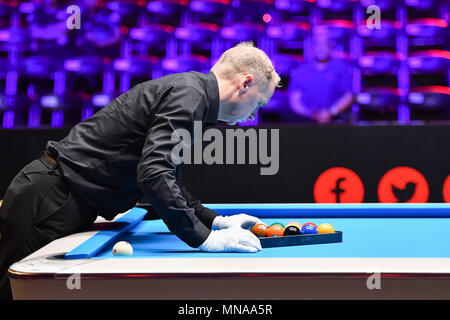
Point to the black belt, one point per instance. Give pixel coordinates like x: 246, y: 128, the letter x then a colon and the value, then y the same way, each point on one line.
x: 48, y: 161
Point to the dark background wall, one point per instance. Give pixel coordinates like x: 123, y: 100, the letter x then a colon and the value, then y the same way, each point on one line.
x: 21, y: 146
x: 305, y: 152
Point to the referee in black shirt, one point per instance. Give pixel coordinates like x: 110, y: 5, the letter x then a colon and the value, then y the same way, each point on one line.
x: 123, y: 153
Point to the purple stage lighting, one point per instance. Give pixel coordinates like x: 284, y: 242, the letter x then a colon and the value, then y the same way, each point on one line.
x: 416, y: 97
x: 8, y: 119
x: 27, y: 7
x: 57, y: 119
x: 5, y: 35
x: 122, y: 65
x: 100, y: 100
x: 72, y: 65
x: 49, y: 102
x: 426, y: 27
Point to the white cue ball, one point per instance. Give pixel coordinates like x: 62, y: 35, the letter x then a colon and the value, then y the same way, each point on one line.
x: 122, y: 248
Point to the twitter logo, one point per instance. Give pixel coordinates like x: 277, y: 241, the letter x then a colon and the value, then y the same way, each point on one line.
x: 405, y: 194
x: 403, y: 184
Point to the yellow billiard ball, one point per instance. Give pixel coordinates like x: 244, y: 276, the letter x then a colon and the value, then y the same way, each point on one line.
x: 325, y: 228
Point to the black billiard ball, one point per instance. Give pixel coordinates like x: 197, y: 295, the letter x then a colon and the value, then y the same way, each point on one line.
x: 291, y: 231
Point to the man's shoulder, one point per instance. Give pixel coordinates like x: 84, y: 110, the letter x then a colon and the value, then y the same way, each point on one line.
x: 300, y: 73
x: 301, y: 69
x: 183, y: 80
x: 301, y: 66
x: 341, y: 64
x: 173, y: 78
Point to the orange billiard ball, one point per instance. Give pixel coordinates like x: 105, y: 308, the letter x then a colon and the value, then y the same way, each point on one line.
x: 260, y: 229
x: 275, y: 230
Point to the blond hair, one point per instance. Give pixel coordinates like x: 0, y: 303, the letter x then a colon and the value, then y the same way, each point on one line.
x: 246, y: 58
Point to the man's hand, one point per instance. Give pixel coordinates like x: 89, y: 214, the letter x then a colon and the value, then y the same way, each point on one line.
x: 238, y: 220
x: 234, y: 239
x: 322, y: 116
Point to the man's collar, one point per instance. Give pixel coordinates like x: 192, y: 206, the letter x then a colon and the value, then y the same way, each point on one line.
x: 212, y: 91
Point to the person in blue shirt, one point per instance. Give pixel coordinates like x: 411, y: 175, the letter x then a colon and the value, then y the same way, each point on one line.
x: 320, y: 90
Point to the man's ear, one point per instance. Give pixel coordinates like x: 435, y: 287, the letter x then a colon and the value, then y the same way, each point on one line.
x: 247, y: 81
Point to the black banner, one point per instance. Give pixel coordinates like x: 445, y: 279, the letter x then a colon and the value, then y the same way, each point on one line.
x: 337, y: 164
x: 315, y: 164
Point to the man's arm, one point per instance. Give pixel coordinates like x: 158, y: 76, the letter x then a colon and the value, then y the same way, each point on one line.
x: 295, y: 99
x: 345, y: 77
x: 156, y: 170
x: 295, y: 92
x: 324, y: 116
x: 157, y: 178
x: 342, y: 103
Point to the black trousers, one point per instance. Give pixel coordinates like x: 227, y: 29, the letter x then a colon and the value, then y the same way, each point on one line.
x: 38, y: 208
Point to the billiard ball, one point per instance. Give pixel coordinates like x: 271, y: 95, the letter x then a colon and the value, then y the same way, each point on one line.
x: 278, y: 223
x: 260, y: 230
x: 294, y: 223
x: 308, y: 229
x: 122, y: 248
x: 275, y: 230
x: 325, y: 228
x: 291, y: 230
x: 313, y: 224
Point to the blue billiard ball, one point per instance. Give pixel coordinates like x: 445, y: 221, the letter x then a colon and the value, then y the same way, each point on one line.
x: 309, y: 229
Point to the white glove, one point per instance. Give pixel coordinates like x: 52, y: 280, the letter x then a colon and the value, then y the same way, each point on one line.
x: 233, y: 239
x: 241, y: 220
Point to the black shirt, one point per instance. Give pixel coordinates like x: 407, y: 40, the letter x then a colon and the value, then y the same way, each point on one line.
x: 123, y: 152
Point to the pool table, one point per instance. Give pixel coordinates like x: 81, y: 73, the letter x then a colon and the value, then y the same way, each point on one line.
x: 388, y: 251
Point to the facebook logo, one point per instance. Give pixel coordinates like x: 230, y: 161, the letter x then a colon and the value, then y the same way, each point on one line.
x: 338, y: 190
x: 338, y: 185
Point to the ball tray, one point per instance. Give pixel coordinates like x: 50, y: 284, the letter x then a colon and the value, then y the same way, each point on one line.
x: 301, y: 239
